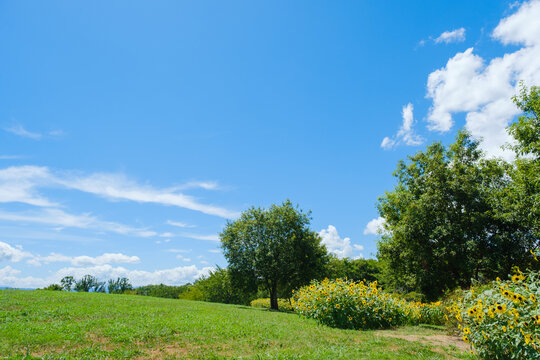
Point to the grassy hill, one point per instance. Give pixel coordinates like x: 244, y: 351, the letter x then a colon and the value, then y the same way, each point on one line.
x: 61, y: 325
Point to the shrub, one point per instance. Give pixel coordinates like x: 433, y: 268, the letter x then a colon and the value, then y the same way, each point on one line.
x: 284, y: 304
x: 432, y: 313
x: 502, y: 321
x: 53, y: 287
x: 353, y: 305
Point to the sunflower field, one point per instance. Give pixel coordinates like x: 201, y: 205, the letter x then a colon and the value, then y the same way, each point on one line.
x: 503, y: 320
x: 358, y: 305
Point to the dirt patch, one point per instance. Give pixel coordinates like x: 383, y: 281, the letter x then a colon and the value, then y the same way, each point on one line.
x: 438, y: 341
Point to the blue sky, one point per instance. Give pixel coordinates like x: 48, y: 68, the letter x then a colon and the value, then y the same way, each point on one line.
x: 130, y: 132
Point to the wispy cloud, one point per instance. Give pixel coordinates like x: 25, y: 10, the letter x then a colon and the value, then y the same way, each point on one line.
x: 20, y: 184
x: 406, y: 132
x: 118, y: 187
x: 211, y: 237
x: 179, y: 224
x: 14, y: 254
x: 11, y: 157
x: 19, y: 130
x: 59, y: 218
x: 457, y: 35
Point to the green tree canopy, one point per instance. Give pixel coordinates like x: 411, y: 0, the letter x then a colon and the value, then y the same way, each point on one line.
x: 273, y: 248
x: 354, y: 269
x: 442, y: 224
x: 522, y: 198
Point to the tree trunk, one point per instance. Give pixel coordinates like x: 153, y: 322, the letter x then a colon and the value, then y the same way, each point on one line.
x: 273, y: 297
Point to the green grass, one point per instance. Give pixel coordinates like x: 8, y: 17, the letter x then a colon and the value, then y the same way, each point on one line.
x: 61, y: 325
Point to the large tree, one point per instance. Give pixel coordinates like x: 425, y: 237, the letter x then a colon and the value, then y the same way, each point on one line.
x: 273, y: 249
x: 442, y: 223
x: 522, y: 199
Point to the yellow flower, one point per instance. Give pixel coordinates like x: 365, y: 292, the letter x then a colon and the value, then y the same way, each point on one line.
x: 350, y: 318
x: 466, y: 339
x: 504, y: 328
x: 466, y: 330
x: 338, y: 306
x: 500, y: 308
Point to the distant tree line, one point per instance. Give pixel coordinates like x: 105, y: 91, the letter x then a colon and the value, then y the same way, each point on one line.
x: 89, y: 283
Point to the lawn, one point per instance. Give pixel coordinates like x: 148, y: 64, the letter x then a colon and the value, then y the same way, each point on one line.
x: 62, y: 325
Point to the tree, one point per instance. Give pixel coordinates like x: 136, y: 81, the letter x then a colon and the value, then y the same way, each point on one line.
x: 441, y: 222
x: 354, y: 269
x: 119, y: 285
x: 89, y: 283
x: 53, y: 287
x: 67, y: 282
x: 217, y: 287
x: 522, y: 198
x: 274, y: 249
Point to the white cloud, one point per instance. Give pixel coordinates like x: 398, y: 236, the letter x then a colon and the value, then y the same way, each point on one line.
x: 334, y: 244
x: 107, y: 258
x: 483, y: 89
x: 457, y: 35
x: 11, y: 157
x: 375, y: 226
x: 10, y: 277
x: 179, y: 224
x: 57, y: 217
x: 406, y: 132
x: 181, y: 251
x: 13, y: 254
x: 211, y: 237
x: 9, y: 253
x: 175, y: 276
x: 19, y: 184
x: 118, y: 187
x: 215, y: 251
x: 387, y: 143
x: 19, y: 130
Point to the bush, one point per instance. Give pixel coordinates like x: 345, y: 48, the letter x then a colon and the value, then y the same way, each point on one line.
x: 432, y: 313
x: 284, y: 304
x: 53, y: 287
x: 351, y: 305
x: 502, y: 321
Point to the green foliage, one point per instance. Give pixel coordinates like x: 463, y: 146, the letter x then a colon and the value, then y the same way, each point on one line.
x: 350, y: 305
x: 119, y: 286
x: 264, y: 303
x: 503, y: 320
x: 522, y: 198
x: 67, y: 282
x: 89, y: 283
x: 53, y: 287
x: 442, y: 227
x: 357, y: 269
x: 161, y: 290
x: 526, y: 130
x: 273, y: 249
x: 216, y: 287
